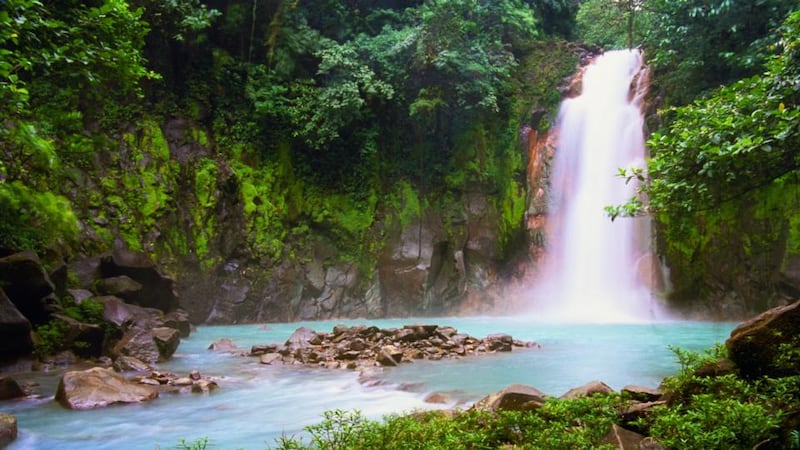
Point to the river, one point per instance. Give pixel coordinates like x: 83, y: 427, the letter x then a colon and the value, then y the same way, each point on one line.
x: 256, y: 403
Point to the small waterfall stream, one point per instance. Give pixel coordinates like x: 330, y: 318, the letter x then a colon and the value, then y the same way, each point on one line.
x: 592, y: 267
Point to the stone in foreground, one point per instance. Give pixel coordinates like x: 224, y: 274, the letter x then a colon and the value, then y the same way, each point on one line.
x: 756, y: 346
x: 98, y: 388
x: 588, y: 389
x: 8, y: 429
x: 517, y: 397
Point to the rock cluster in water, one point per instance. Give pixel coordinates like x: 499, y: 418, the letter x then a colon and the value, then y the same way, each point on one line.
x: 99, y: 387
x: 369, y: 346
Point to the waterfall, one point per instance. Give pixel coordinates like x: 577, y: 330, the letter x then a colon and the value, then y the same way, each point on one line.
x: 592, y: 266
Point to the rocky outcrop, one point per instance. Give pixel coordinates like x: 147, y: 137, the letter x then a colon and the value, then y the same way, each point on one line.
x: 767, y: 345
x: 363, y: 346
x: 85, y: 338
x: 8, y: 429
x: 157, y: 290
x: 168, y: 382
x: 15, y: 331
x: 438, y: 266
x: 431, y: 266
x: 28, y: 286
x: 9, y: 388
x: 99, y: 387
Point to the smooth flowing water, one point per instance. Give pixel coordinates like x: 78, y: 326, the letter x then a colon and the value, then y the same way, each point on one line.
x: 257, y: 404
x: 593, y: 267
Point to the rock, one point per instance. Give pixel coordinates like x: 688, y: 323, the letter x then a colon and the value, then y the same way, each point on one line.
x: 590, y: 388
x: 622, y: 439
x: 437, y: 398
x: 178, y: 319
x: 183, y: 381
x: 130, y: 364
x: 499, y: 342
x: 389, y: 356
x: 87, y: 271
x: 225, y: 345
x: 27, y: 285
x: 15, y: 331
x: 516, y: 397
x: 716, y: 368
x: 138, y: 343
x: 301, y: 338
x: 258, y: 350
x: 9, y: 388
x: 89, y: 336
x: 158, y: 290
x: 755, y: 345
x: 204, y: 386
x: 8, y: 429
x: 269, y: 358
x: 121, y: 286
x: 99, y: 387
x: 650, y: 443
x: 630, y: 414
x: 79, y: 295
x: 167, y: 340
x: 122, y: 314
x: 642, y: 393
x: 58, y: 275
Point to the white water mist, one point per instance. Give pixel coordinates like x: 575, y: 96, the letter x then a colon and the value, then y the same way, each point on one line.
x: 592, y: 266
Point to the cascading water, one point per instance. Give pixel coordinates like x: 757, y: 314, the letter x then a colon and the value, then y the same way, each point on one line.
x: 591, y: 269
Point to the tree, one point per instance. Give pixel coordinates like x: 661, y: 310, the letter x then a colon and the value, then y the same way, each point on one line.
x: 697, y: 45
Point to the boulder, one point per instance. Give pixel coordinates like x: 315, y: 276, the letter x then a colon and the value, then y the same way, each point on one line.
x: 9, y: 388
x: 622, y: 439
x: 27, y: 285
x: 225, y: 345
x: 158, y: 290
x: 756, y: 346
x: 89, y: 336
x: 390, y: 356
x: 301, y: 338
x: 8, y: 429
x: 121, y: 286
x: 517, y: 397
x: 15, y: 331
x: 178, y: 319
x: 588, y: 389
x: 122, y: 314
x: 138, y: 343
x: 167, y: 340
x: 641, y: 393
x: 637, y: 410
x: 99, y: 387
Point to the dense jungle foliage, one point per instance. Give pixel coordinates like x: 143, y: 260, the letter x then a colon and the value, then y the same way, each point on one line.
x: 325, y: 112
x: 330, y: 117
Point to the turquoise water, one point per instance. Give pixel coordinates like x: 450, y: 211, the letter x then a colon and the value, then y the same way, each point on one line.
x: 257, y: 404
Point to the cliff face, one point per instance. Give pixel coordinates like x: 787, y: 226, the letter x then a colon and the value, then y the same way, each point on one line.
x: 166, y: 191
